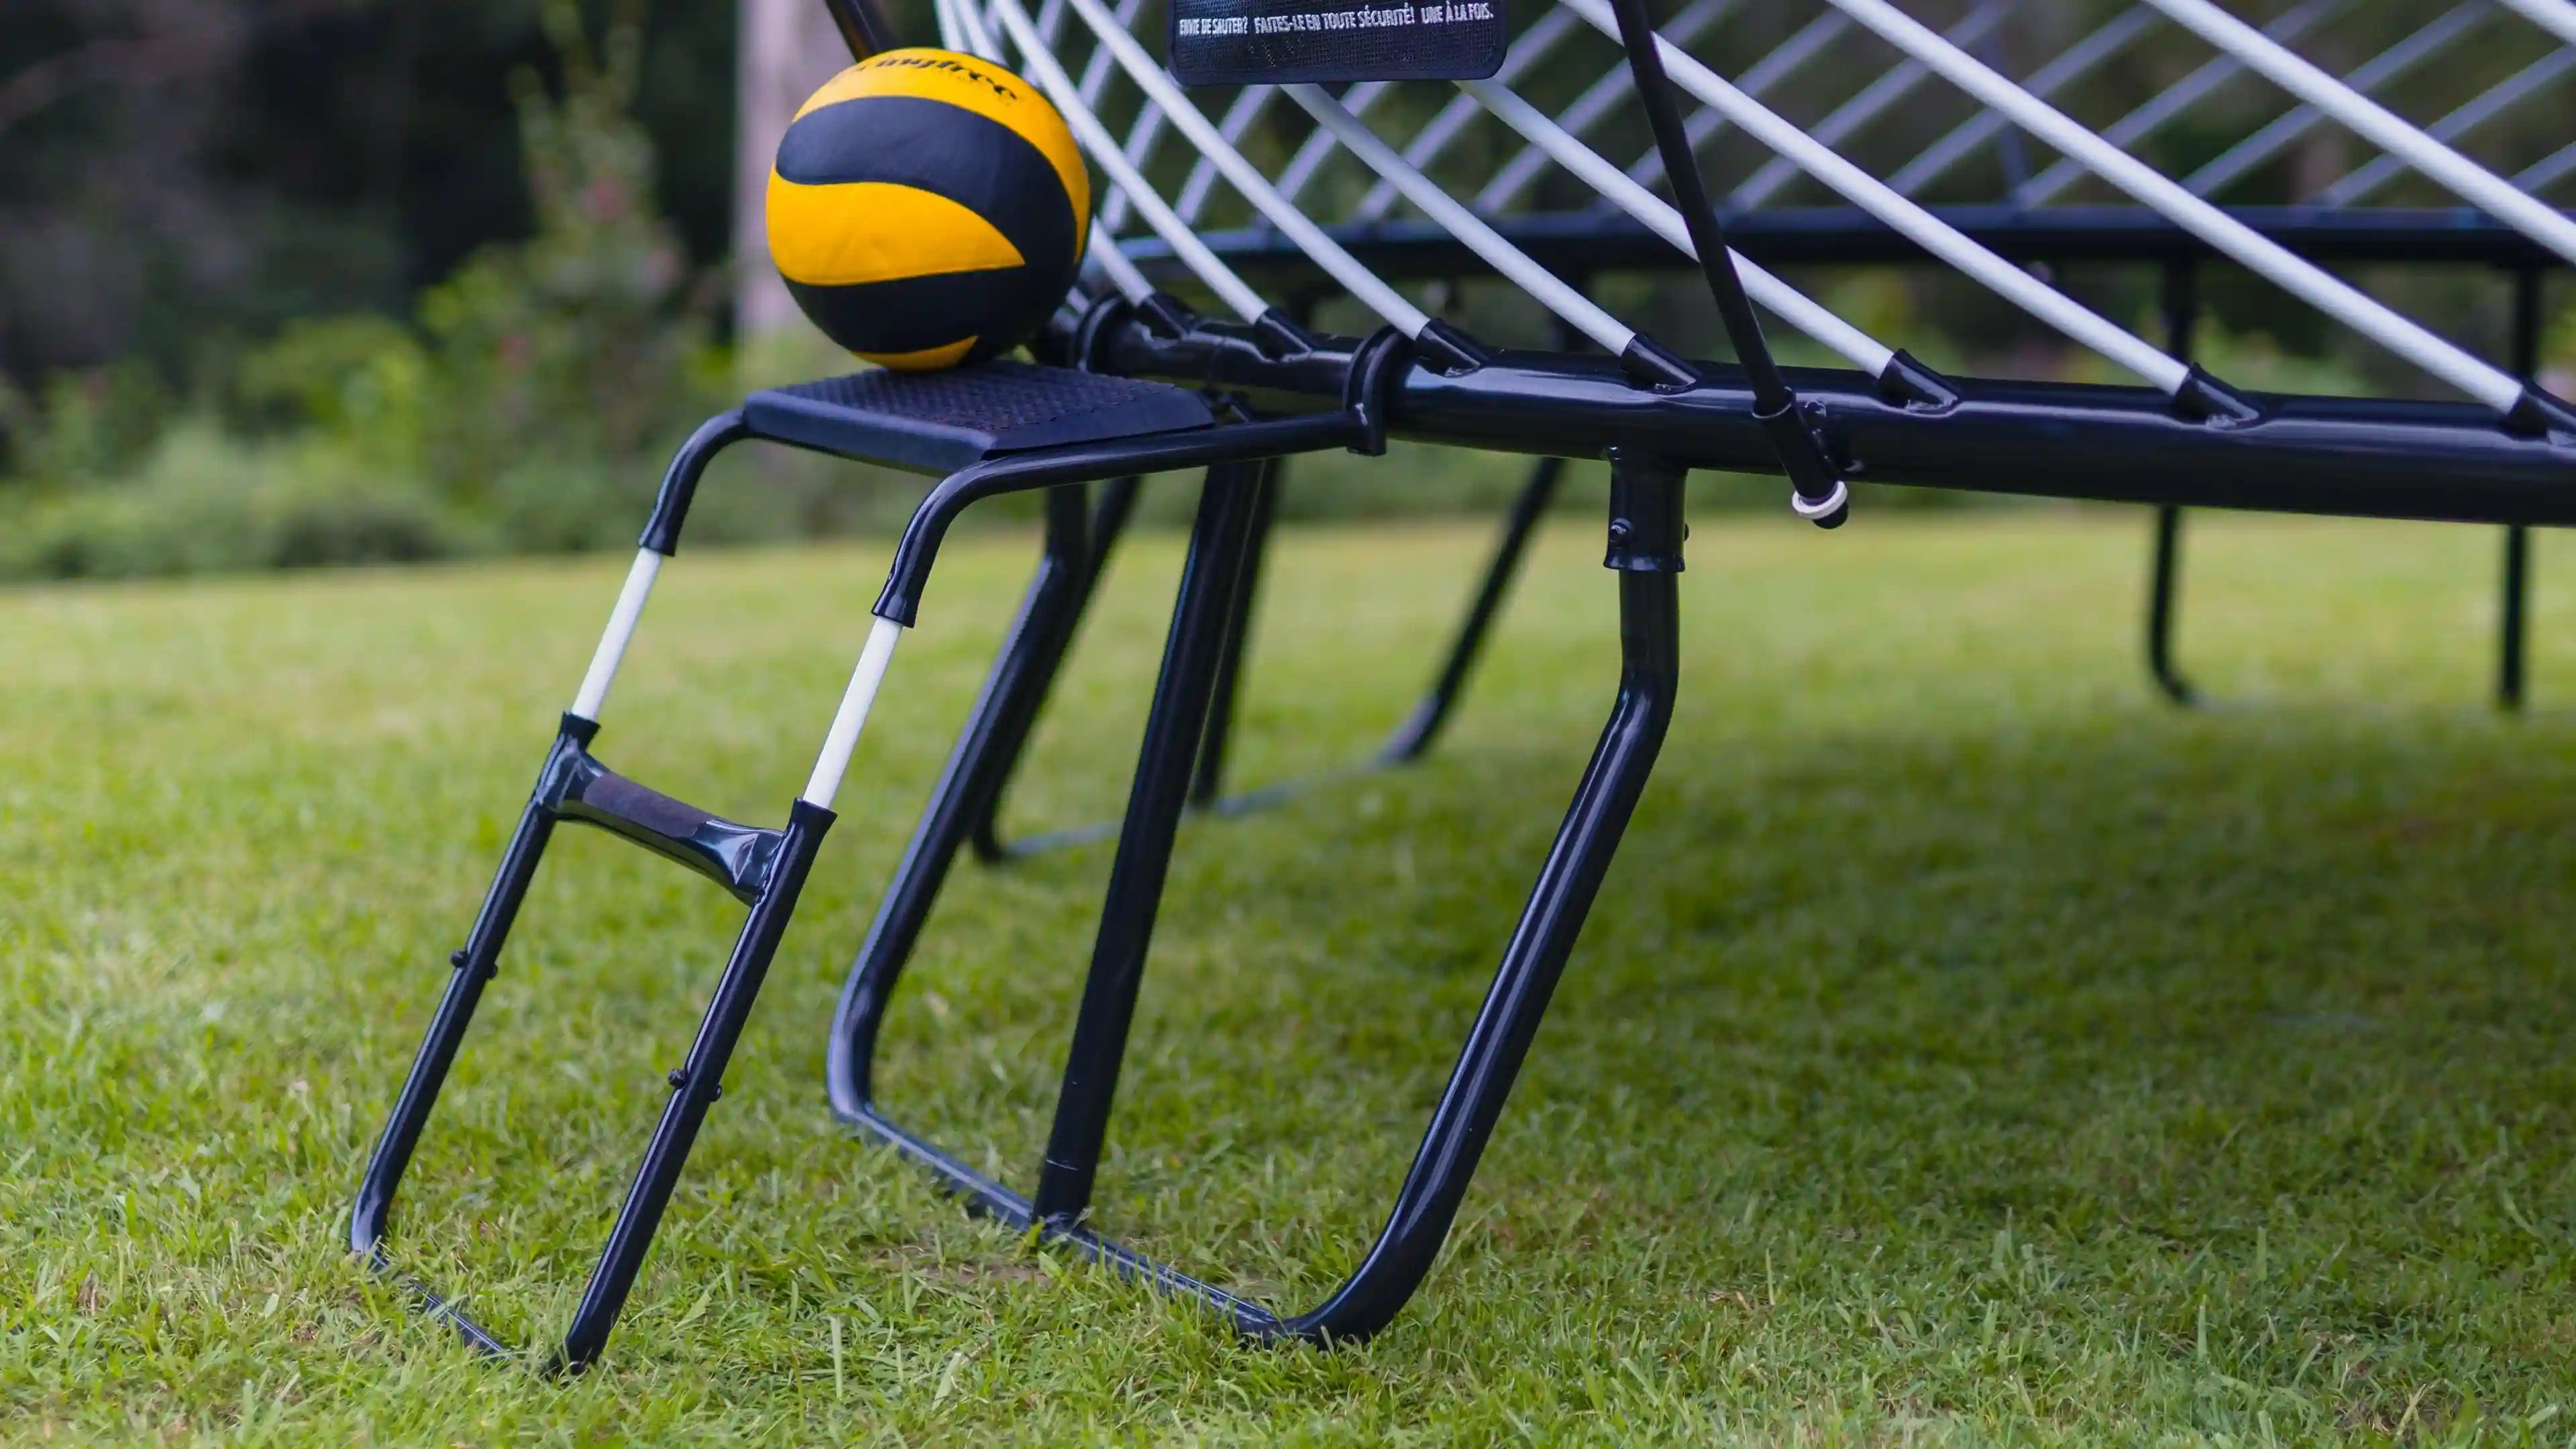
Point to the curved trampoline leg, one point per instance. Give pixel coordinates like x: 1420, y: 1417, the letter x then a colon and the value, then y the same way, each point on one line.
x: 996, y: 728
x: 1108, y: 524
x: 2163, y: 589
x: 1646, y: 514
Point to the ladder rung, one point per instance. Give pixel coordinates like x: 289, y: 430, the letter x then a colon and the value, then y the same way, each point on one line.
x: 736, y: 857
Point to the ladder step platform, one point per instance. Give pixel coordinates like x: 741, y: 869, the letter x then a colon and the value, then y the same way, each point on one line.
x: 940, y: 422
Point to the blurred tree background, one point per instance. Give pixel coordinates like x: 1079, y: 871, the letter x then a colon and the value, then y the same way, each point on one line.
x: 304, y: 281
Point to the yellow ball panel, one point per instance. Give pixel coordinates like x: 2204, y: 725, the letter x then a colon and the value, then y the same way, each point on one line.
x: 872, y: 231
x: 928, y: 359
x: 978, y: 86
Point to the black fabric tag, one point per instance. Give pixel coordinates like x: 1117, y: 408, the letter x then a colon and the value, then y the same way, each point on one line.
x: 1270, y: 42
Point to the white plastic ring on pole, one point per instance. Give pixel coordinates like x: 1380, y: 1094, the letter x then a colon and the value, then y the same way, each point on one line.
x: 2258, y: 253
x: 865, y: 681
x: 1926, y: 230
x: 619, y: 633
x: 1834, y: 503
x: 1104, y: 151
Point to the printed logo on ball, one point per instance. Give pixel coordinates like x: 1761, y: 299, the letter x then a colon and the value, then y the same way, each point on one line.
x: 1270, y: 42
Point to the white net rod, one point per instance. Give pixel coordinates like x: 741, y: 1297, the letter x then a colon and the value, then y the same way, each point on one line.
x: 1793, y: 55
x: 1240, y: 116
x: 1872, y: 101
x: 1598, y: 172
x: 2508, y: 93
x: 1535, y: 44
x: 1138, y: 149
x: 2369, y: 77
x: 2373, y: 122
x: 1318, y: 147
x: 1040, y: 65
x: 1346, y: 270
x: 1870, y: 194
x: 2549, y: 169
x: 1588, y: 110
x: 1579, y: 311
x: 2176, y: 100
x: 2076, y: 62
x: 2555, y: 16
x: 2247, y: 247
x: 1096, y: 70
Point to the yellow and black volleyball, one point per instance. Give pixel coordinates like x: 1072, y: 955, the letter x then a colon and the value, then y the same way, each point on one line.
x: 928, y: 209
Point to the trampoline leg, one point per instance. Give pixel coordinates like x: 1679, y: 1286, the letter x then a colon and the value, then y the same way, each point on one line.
x: 995, y: 730
x: 2514, y: 622
x: 1646, y: 533
x: 1415, y: 736
x: 1192, y: 656
x: 1207, y: 781
x: 2160, y: 607
x: 1080, y: 581
x: 2515, y: 625
x: 2181, y: 297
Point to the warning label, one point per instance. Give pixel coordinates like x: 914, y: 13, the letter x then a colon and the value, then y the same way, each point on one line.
x: 1254, y: 42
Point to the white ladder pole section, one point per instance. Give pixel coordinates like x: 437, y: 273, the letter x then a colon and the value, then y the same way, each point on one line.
x: 1535, y: 44
x: 2248, y: 247
x: 2175, y: 100
x: 619, y: 633
x: 1872, y: 101
x: 1247, y: 108
x: 1589, y: 109
x: 1578, y: 310
x: 1365, y: 286
x: 2369, y: 76
x: 1318, y: 147
x: 1794, y: 53
x: 1095, y: 139
x: 1926, y: 230
x: 834, y: 762
x: 1598, y: 172
x: 2373, y: 122
x: 944, y: 13
x: 2555, y: 16
x: 2076, y: 62
x: 2512, y: 91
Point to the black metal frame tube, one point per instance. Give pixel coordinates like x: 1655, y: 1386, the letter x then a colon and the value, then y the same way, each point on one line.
x: 1646, y: 532
x: 2513, y: 616
x: 2181, y: 299
x: 1192, y: 658
x: 1207, y: 777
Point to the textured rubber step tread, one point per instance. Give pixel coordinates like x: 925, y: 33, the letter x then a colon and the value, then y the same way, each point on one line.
x: 939, y: 422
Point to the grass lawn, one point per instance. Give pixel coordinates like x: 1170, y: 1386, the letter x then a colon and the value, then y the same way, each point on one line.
x: 1968, y: 1048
